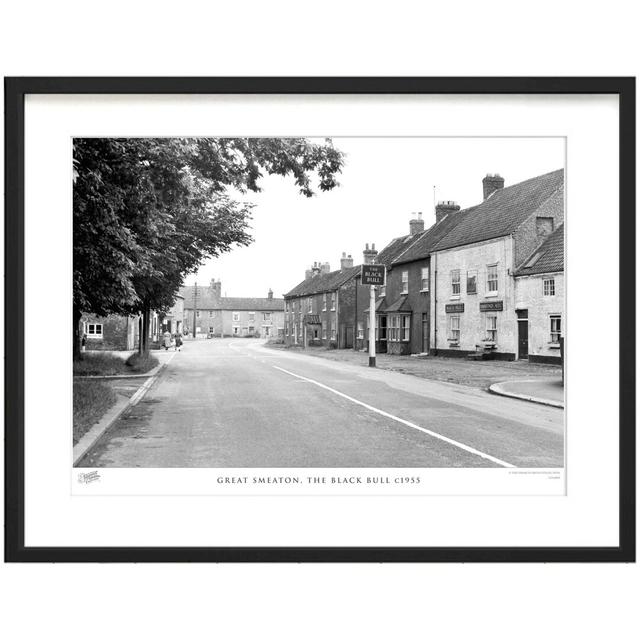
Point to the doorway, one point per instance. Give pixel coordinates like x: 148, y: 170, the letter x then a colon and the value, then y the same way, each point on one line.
x: 523, y: 334
x: 425, y: 333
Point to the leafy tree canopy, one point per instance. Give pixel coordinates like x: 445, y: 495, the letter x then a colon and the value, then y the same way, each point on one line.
x: 148, y: 211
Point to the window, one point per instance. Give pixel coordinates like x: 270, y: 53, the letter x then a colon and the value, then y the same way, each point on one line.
x: 360, y: 330
x: 381, y: 327
x: 324, y: 301
x: 405, y: 282
x: 324, y: 329
x: 236, y: 330
x: 210, y: 329
x: 286, y: 306
x: 393, y: 332
x: 424, y: 280
x: 492, y: 278
x: 252, y: 329
x: 492, y: 328
x: 455, y: 283
x: 333, y: 329
x: 310, y: 305
x: 383, y: 290
x: 556, y: 326
x: 454, y: 328
x: 266, y: 317
x: 333, y: 301
x: 212, y: 314
x: 549, y: 286
x: 236, y: 316
x: 472, y: 278
x: 544, y: 226
x: 93, y: 331
x: 406, y: 327
x: 197, y: 314
x: 286, y: 328
x: 252, y: 316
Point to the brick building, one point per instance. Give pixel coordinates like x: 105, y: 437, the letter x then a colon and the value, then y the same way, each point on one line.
x: 403, y: 304
x: 215, y: 315
x: 323, y: 309
x: 539, y: 294
x: 473, y: 297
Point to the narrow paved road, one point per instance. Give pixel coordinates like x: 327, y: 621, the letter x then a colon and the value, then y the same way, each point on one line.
x: 236, y: 403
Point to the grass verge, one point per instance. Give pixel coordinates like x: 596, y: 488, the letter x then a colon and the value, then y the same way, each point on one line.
x: 91, y: 400
x: 106, y: 364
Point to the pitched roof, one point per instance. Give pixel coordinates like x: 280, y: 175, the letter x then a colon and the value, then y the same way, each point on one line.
x: 548, y: 257
x: 323, y: 282
x: 394, y: 249
x: 422, y: 246
x: 401, y: 305
x: 207, y: 299
x: 502, y: 213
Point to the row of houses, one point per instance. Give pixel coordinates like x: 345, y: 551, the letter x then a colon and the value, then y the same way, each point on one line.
x: 489, y: 279
x: 204, y: 309
x: 215, y: 315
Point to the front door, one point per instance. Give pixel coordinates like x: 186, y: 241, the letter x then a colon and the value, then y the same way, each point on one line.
x: 523, y: 334
x: 425, y: 333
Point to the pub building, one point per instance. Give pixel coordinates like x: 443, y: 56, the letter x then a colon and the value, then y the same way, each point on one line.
x: 473, y: 298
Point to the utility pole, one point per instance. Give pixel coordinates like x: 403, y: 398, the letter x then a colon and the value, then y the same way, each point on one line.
x: 195, y: 308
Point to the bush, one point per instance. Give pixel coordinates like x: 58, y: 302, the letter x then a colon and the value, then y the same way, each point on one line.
x: 91, y: 400
x: 138, y: 363
x: 332, y: 345
x: 275, y: 341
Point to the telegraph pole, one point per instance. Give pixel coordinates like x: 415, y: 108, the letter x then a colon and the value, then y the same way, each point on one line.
x: 195, y: 308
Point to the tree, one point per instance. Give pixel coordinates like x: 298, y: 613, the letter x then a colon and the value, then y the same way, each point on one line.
x: 149, y: 211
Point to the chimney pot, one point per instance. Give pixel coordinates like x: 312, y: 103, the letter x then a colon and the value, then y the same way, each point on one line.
x: 369, y: 255
x: 416, y: 224
x: 346, y: 262
x: 444, y: 208
x: 491, y: 183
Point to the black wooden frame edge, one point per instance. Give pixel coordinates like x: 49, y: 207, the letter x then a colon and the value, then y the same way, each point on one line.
x: 15, y: 91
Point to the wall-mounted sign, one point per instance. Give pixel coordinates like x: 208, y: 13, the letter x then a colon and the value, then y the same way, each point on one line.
x: 496, y: 305
x: 372, y: 274
x: 458, y: 307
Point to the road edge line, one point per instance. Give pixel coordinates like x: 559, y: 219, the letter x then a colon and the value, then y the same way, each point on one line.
x: 433, y: 434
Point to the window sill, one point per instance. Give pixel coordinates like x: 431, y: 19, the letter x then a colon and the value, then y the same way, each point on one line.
x: 424, y: 290
x: 472, y: 293
x: 491, y: 294
x: 454, y: 343
x: 553, y: 345
x: 454, y: 298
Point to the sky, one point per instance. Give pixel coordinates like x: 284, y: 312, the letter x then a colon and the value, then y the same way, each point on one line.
x: 383, y: 182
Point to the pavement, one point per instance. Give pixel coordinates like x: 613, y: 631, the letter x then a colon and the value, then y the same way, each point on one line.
x: 549, y: 391
x: 235, y: 403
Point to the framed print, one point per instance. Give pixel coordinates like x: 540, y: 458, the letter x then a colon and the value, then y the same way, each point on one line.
x: 320, y: 319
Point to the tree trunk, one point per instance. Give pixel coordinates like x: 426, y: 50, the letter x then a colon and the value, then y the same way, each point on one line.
x: 145, y: 330
x: 140, y: 333
x: 77, y: 334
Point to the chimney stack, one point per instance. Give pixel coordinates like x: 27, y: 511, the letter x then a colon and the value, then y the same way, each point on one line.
x: 216, y: 285
x: 416, y: 225
x: 346, y: 262
x: 270, y: 294
x: 491, y: 183
x: 325, y: 267
x: 444, y: 208
x: 315, y: 270
x: 369, y: 255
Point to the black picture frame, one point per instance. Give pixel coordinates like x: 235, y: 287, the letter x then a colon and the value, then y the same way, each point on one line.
x: 15, y: 91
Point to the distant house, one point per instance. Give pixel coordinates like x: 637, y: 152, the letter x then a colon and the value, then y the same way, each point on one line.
x: 540, y: 301
x: 121, y: 333
x: 326, y: 307
x: 473, y: 299
x: 212, y: 314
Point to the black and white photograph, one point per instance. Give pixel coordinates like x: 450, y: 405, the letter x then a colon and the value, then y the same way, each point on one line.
x: 370, y: 303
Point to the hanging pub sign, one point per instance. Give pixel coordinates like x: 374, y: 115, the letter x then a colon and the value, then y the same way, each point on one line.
x: 458, y: 307
x: 372, y: 274
x: 496, y: 305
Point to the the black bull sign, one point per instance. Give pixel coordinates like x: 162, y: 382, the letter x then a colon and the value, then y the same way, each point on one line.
x: 372, y: 274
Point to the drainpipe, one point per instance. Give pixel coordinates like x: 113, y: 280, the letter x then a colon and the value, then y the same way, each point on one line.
x: 435, y: 303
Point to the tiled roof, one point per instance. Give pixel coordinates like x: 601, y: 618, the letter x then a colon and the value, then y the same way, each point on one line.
x: 323, y: 282
x: 394, y: 249
x: 422, y: 246
x: 502, y: 213
x: 547, y: 258
x: 401, y: 305
x: 208, y: 300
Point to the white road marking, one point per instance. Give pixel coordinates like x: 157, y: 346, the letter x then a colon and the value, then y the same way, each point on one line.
x: 455, y: 443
